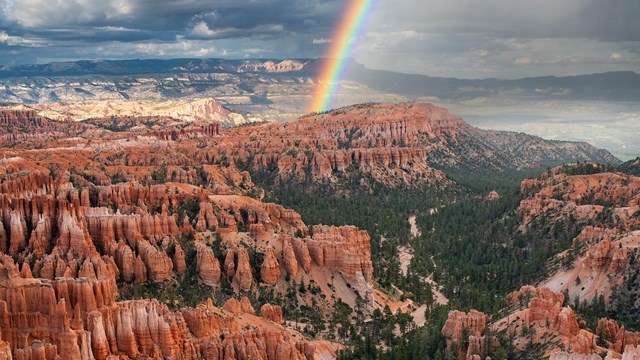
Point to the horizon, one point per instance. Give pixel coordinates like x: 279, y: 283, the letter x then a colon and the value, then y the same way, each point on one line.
x: 7, y: 65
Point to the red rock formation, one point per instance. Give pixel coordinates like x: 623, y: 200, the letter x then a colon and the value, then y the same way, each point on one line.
x: 243, y: 271
x: 233, y: 306
x: 271, y: 312
x: 207, y: 265
x: 616, y: 336
x: 598, y: 255
x: 302, y: 254
x: 289, y: 259
x: 461, y: 324
x: 96, y: 214
x: 385, y: 141
x: 631, y: 352
x: 246, y: 307
x: 140, y: 271
x: 270, y: 270
x: 345, y: 249
x: 26, y: 125
x: 575, y: 201
x: 582, y: 196
x: 129, y: 329
x: 179, y: 260
x: 17, y: 229
x: 545, y: 309
x: 237, y: 265
x: 125, y: 259
x: 158, y: 264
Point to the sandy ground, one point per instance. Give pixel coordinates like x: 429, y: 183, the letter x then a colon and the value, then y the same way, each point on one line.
x: 405, y: 255
x: 592, y: 281
x: 415, y: 232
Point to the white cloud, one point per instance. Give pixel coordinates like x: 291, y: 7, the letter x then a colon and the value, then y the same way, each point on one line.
x: 615, y: 56
x: 202, y: 29
x: 19, y: 40
x: 43, y: 13
x: 321, y: 41
x: 523, y: 61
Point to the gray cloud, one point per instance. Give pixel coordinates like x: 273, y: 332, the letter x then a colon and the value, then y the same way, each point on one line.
x: 502, y: 38
x: 463, y: 38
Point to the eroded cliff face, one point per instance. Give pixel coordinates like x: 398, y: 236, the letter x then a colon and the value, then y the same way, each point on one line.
x: 67, y: 251
x: 392, y: 144
x: 78, y: 318
x: 597, y: 211
x: 602, y: 210
x: 389, y: 143
x: 465, y: 335
x: 78, y: 225
x: 558, y: 194
x: 539, y: 318
x: 617, y: 338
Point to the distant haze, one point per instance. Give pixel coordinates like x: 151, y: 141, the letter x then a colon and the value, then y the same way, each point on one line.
x: 609, y: 125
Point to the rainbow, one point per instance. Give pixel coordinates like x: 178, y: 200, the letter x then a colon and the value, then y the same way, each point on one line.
x: 333, y: 66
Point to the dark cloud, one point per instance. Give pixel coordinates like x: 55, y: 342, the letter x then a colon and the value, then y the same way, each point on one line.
x: 467, y: 38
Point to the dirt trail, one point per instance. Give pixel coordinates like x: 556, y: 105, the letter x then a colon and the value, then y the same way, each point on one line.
x: 415, y: 232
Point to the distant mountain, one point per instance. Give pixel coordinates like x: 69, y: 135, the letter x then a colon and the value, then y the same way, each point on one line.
x: 620, y: 86
x: 155, y: 66
x: 631, y: 167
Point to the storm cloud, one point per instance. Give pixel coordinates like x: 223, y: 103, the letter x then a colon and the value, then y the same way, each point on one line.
x: 461, y: 38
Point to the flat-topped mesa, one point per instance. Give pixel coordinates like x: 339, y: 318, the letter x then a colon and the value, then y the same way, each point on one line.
x: 382, y: 125
x: 358, y: 126
x: 389, y: 141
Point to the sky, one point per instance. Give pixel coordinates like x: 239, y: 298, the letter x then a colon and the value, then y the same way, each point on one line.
x: 452, y: 38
